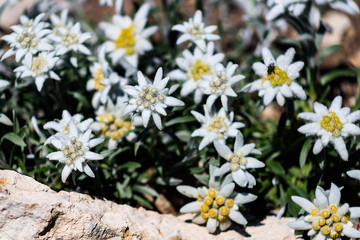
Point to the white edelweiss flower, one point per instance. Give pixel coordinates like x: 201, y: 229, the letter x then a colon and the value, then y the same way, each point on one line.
x: 60, y: 22
x: 217, y: 205
x: 151, y: 99
x: 219, y: 84
x: 195, y: 31
x: 62, y: 126
x: 74, y: 151
x: 128, y: 39
x: 331, y: 125
x: 193, y: 66
x: 215, y: 126
x: 277, y: 77
x: 38, y: 67
x: 278, y: 7
x: 238, y: 161
x: 348, y: 6
x: 112, y: 123
x: 28, y: 38
x: 70, y: 38
x: 326, y: 218
x: 103, y: 80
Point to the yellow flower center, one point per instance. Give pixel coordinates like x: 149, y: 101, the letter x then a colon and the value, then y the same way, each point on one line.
x: 333, y: 208
x: 325, y: 230
x: 338, y: 227
x: 196, y: 30
x: 277, y: 77
x: 208, y: 201
x: 315, y: 226
x: 335, y: 217
x: 224, y: 211
x: 113, y: 128
x: 126, y: 40
x: 314, y: 211
x: 219, y: 82
x: 229, y: 202
x: 204, y: 208
x: 73, y: 151
x: 198, y: 69
x: 38, y: 63
x: 218, y: 125
x: 234, y: 166
x: 27, y: 39
x: 149, y: 96
x: 211, y: 193
x: 345, y: 219
x: 219, y: 200
x: 332, y: 123
x: 325, y: 213
x: 205, y: 215
x: 98, y: 78
x: 321, y: 221
x: 334, y: 234
x: 213, y: 212
x: 70, y: 39
x: 221, y: 218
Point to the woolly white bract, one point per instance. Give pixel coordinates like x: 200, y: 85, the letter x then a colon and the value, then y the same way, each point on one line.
x: 151, y: 99
x: 29, y: 37
x: 128, y: 39
x: 217, y: 205
x: 219, y: 84
x: 74, y: 151
x: 193, y: 66
x: 195, y: 31
x: 38, y: 67
x: 331, y: 126
x: 278, y: 7
x: 238, y: 161
x: 348, y: 6
x: 62, y: 126
x: 112, y: 123
x: 326, y: 218
x: 277, y: 77
x: 215, y: 126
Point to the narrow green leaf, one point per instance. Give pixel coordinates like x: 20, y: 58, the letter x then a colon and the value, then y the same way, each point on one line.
x: 5, y: 120
x: 179, y: 120
x: 14, y: 138
x: 304, y: 153
x: 136, y: 147
x: 327, y: 51
x: 335, y: 74
x: 146, y: 190
x: 142, y: 201
x: 204, y: 179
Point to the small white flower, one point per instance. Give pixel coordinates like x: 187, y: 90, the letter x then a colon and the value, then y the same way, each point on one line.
x: 29, y: 37
x: 348, y: 6
x: 326, y: 218
x: 39, y: 67
x: 193, y: 66
x: 74, y: 150
x: 70, y: 38
x: 103, y: 80
x: 151, y: 99
x: 195, y: 31
x: 62, y: 126
x: 219, y: 84
x: 60, y: 22
x: 109, y: 3
x: 331, y: 125
x: 217, y: 205
x: 112, y: 123
x: 278, y: 7
x: 238, y: 161
x: 277, y: 77
x: 215, y: 126
x: 128, y: 39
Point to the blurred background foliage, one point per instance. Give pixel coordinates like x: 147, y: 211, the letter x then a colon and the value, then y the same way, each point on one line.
x: 145, y: 173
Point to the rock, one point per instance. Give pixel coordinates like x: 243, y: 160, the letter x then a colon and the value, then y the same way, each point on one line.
x: 31, y: 210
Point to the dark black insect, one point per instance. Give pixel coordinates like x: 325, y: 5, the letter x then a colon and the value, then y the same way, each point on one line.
x: 271, y: 68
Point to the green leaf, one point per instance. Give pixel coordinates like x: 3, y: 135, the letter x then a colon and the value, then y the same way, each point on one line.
x: 327, y: 51
x: 5, y: 120
x: 304, y: 153
x: 146, y: 190
x: 14, y: 138
x: 130, y: 166
x: 142, y: 201
x: 204, y: 179
x: 136, y: 147
x: 215, y: 162
x: 275, y: 167
x: 335, y: 74
x: 179, y: 120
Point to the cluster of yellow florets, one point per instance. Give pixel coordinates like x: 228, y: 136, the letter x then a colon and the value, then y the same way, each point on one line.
x: 126, y: 39
x: 149, y: 96
x: 38, y: 63
x: 215, y: 206
x: 198, y: 69
x: 73, y: 151
x: 113, y: 128
x: 196, y: 31
x: 98, y: 78
x: 218, y: 125
x: 328, y: 221
x: 332, y: 123
x: 26, y: 39
x: 70, y: 39
x: 277, y: 77
x: 219, y: 82
x: 236, y: 160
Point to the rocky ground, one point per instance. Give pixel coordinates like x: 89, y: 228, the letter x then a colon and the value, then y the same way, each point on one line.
x: 31, y: 210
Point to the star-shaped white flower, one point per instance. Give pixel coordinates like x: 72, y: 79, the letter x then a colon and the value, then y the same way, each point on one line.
x: 62, y: 126
x: 238, y: 161
x: 74, y: 151
x: 348, y: 6
x: 277, y: 77
x: 112, y: 123
x: 219, y: 84
x: 128, y: 39
x: 278, y: 7
x: 217, y: 205
x: 331, y: 126
x: 215, y: 126
x: 151, y: 99
x: 195, y: 31
x: 29, y: 37
x: 39, y: 67
x: 193, y: 66
x: 325, y: 218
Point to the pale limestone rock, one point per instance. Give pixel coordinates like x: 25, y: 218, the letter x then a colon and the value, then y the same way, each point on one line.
x: 31, y: 210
